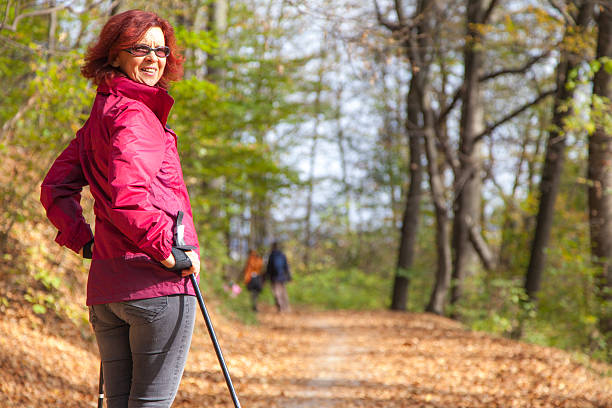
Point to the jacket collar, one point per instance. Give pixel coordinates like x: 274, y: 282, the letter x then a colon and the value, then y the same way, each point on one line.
x: 157, y: 99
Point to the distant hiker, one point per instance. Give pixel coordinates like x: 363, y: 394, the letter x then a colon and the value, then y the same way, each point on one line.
x: 141, y: 303
x: 277, y: 271
x: 253, y: 276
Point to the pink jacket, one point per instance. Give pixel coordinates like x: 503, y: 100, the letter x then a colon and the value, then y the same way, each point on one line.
x: 129, y: 158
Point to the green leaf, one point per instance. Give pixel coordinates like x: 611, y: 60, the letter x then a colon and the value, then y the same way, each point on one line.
x: 607, y: 64
x: 39, y: 309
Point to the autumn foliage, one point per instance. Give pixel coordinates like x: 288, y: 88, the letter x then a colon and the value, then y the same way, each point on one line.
x: 316, y: 359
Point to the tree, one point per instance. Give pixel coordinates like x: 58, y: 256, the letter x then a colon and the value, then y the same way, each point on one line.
x: 316, y: 133
x: 577, y: 20
x: 437, y: 299
x: 600, y: 167
x: 468, y: 180
x: 411, y: 34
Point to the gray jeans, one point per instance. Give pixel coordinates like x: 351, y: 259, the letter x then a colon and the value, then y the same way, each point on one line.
x: 143, y: 346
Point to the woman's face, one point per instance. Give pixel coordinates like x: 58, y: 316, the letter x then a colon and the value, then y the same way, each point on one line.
x: 149, y: 68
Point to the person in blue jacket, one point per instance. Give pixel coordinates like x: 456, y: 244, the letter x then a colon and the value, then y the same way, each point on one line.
x: 277, y: 271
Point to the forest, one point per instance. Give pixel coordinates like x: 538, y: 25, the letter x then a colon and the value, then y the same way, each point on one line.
x: 449, y: 157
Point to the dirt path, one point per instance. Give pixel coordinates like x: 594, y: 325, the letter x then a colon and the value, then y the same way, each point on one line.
x: 318, y: 359
x: 385, y: 359
x: 326, y: 366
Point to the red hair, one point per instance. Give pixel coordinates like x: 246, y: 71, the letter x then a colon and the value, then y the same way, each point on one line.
x: 122, y: 31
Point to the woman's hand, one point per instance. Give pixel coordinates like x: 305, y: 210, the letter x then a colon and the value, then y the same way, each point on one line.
x: 195, y: 264
x: 92, y: 246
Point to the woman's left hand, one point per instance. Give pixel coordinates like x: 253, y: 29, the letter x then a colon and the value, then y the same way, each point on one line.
x: 81, y: 250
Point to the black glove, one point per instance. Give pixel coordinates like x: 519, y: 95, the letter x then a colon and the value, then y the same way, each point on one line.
x: 181, y: 259
x: 87, y: 254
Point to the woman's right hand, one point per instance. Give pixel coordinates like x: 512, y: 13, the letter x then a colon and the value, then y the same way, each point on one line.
x: 195, y: 263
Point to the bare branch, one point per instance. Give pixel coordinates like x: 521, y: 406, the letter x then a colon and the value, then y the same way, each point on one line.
x: 8, y: 125
x: 482, y: 248
x: 383, y: 21
x: 399, y: 10
x: 449, y: 155
x: 513, y: 114
x: 456, y: 96
x: 6, y: 13
x: 42, y: 12
x: 569, y: 20
x: 47, y: 11
x: 519, y: 70
x: 489, y: 11
x: 458, y: 92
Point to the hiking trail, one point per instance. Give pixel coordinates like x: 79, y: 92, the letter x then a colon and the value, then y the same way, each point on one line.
x: 307, y: 359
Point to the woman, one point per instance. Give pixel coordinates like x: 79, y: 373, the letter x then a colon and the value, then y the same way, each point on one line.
x: 141, y: 304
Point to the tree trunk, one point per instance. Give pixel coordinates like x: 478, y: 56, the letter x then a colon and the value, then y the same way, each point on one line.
x: 311, y: 169
x: 217, y: 22
x: 553, y: 163
x: 259, y: 223
x: 468, y: 179
x: 600, y: 173
x: 410, y: 220
x: 438, y: 295
x: 116, y: 7
x: 52, y: 42
x: 192, y: 18
x: 417, y: 44
x: 539, y: 143
x: 340, y: 140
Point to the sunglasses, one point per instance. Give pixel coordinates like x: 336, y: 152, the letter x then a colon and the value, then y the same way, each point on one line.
x: 141, y: 50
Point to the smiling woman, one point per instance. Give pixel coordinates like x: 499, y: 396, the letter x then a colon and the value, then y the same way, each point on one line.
x: 139, y: 291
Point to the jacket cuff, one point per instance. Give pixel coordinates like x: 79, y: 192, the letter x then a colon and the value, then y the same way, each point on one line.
x: 161, y: 251
x: 81, y: 237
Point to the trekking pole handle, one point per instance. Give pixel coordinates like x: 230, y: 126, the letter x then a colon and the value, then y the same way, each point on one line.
x: 213, y: 337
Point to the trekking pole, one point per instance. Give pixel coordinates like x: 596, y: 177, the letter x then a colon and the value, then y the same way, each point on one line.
x: 213, y: 337
x: 101, y: 388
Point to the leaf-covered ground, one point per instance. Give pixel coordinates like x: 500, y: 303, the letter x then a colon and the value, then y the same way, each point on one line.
x: 316, y: 359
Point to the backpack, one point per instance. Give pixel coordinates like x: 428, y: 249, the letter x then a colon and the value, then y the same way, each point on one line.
x: 256, y: 283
